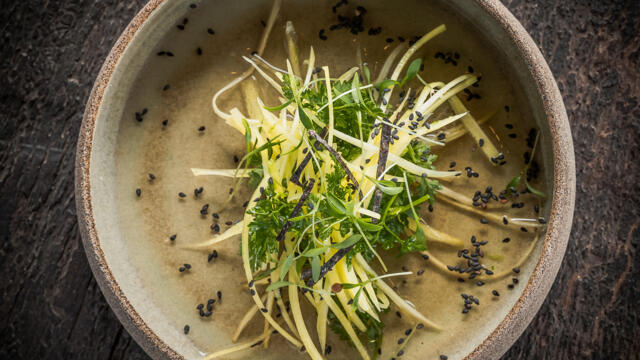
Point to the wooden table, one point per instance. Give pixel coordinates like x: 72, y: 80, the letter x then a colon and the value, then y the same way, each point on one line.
x: 52, y: 307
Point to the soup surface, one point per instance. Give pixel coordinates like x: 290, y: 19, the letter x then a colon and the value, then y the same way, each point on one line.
x: 177, y: 90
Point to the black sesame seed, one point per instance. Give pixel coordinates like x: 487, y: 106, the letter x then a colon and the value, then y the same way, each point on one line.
x: 425, y: 256
x: 505, y: 221
x: 186, y: 329
x: 210, y: 31
x: 495, y: 293
x: 510, y: 286
x: 389, y: 40
x: 327, y: 350
x: 219, y: 294
x: 407, y: 332
x: 165, y: 122
x: 173, y: 237
x: 420, y: 272
x: 200, y: 306
x: 187, y: 266
x: 480, y: 283
x: 523, y: 229
x: 215, y: 227
x: 201, y: 128
x: 516, y: 270
x: 484, y: 221
x: 515, y: 280
x: 169, y: 54
x: 400, y: 353
x: 536, y: 208
x: 181, y: 269
x: 400, y: 341
x: 512, y: 135
x: 181, y: 27
x: 166, y: 87
x: 542, y: 220
x: 481, y: 142
x: 199, y: 51
x: 138, y: 192
x: 443, y: 357
x: 419, y: 326
x: 182, y: 195
x: 398, y: 314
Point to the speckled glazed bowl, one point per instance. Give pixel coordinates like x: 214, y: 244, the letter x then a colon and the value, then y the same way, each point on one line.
x: 127, y: 237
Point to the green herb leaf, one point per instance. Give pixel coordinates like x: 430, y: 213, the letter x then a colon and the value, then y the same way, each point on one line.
x: 357, y: 298
x: 336, y: 204
x: 386, y: 186
x: 315, y: 268
x: 367, y: 73
x: 347, y: 242
x: 349, y: 286
x: 315, y: 251
x: 367, y: 225
x: 412, y: 71
x: 534, y: 191
x: 286, y: 264
x: 277, y: 285
x: 304, y: 118
x: 420, y: 236
x: 512, y: 184
x: 247, y: 134
x: 385, y: 84
x: 279, y: 107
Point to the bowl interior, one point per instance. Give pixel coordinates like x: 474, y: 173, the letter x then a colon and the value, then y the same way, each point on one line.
x: 134, y: 232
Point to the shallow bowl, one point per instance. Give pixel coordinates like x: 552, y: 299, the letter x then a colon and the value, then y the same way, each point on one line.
x: 127, y: 237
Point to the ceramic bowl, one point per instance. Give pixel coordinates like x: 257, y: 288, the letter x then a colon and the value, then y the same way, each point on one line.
x: 127, y: 237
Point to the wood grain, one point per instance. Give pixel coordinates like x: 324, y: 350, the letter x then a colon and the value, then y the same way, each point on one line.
x: 51, y: 306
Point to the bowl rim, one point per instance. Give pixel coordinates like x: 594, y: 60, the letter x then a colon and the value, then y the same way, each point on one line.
x: 525, y: 307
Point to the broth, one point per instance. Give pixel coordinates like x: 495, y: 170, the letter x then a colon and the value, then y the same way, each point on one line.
x: 169, y: 152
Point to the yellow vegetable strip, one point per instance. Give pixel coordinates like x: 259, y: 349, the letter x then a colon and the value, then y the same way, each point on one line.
x: 232, y: 173
x: 249, y: 344
x: 400, y: 302
x: 206, y: 245
x: 346, y: 325
x: 245, y: 320
x: 247, y: 267
x: 309, y: 346
x: 475, y: 130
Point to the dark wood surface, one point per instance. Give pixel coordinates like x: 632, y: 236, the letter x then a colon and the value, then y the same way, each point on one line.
x: 51, y: 307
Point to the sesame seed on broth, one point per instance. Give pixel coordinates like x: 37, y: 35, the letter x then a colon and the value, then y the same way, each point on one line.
x: 196, y: 68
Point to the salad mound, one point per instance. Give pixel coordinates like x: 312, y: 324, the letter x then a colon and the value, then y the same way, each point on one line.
x: 341, y: 169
